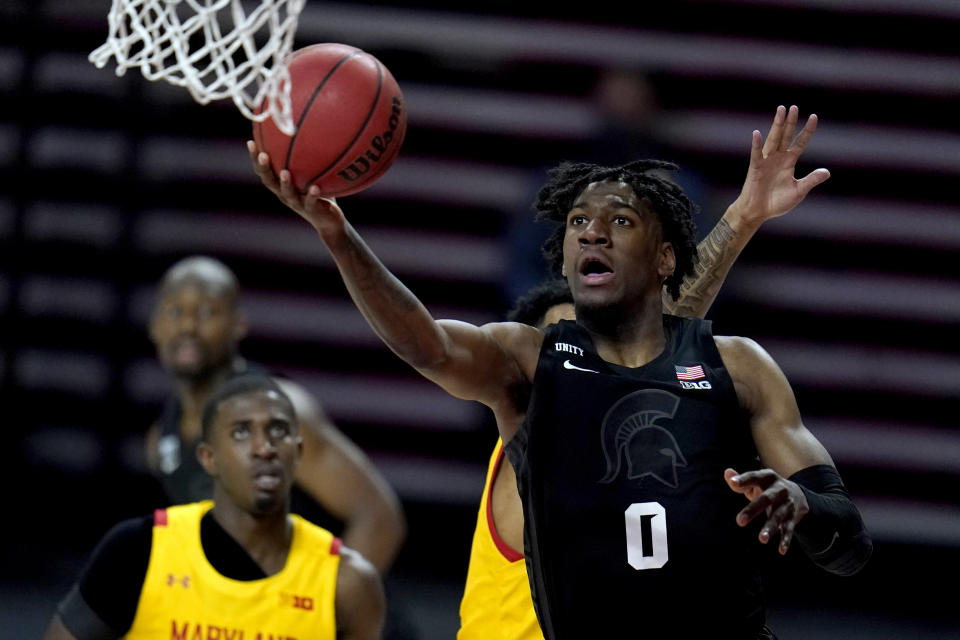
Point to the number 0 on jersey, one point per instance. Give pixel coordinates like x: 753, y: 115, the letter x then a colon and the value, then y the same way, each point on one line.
x: 646, y: 535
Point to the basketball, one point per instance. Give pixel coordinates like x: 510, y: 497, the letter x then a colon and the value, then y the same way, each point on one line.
x: 349, y: 120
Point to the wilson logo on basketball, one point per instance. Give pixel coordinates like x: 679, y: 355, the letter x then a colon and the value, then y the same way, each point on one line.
x: 378, y: 146
x: 350, y: 121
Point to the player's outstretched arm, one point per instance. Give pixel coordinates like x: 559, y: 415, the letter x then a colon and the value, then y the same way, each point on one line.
x: 360, y: 602
x: 799, y: 492
x: 769, y: 191
x: 339, y: 476
x: 473, y: 363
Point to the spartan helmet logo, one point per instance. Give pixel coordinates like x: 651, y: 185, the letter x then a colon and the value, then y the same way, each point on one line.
x: 630, y: 430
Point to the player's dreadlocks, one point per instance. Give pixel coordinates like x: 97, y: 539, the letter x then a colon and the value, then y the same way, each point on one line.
x: 675, y: 211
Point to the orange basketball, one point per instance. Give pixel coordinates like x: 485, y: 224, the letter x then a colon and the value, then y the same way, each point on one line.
x: 349, y: 116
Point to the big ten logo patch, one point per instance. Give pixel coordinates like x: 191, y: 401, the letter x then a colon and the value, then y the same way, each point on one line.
x: 304, y: 603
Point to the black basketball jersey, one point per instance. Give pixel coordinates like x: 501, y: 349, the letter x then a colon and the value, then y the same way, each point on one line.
x: 181, y: 474
x: 630, y: 527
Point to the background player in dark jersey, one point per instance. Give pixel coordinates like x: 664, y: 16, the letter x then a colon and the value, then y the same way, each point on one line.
x: 606, y: 558
x: 196, y: 326
x: 239, y: 566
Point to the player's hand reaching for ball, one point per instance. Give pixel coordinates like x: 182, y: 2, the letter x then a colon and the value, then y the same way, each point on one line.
x: 323, y: 213
x: 769, y: 493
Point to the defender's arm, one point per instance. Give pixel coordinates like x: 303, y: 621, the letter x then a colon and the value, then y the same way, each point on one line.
x: 339, y: 476
x: 769, y: 191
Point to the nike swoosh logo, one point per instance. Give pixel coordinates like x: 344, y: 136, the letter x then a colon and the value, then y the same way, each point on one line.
x: 567, y: 365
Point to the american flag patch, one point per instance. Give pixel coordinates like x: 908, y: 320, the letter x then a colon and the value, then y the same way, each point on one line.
x: 689, y: 373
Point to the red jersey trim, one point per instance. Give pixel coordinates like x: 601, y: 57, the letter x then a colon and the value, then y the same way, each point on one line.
x: 160, y: 518
x: 335, y: 546
x: 505, y: 549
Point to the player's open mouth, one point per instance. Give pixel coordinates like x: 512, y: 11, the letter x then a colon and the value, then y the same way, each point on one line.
x: 186, y: 351
x: 595, y: 271
x: 266, y: 480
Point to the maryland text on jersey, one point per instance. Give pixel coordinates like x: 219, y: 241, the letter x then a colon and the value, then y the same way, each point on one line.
x: 183, y: 630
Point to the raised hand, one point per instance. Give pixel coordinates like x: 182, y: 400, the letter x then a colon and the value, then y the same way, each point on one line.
x: 323, y: 213
x: 770, y: 189
x: 769, y: 493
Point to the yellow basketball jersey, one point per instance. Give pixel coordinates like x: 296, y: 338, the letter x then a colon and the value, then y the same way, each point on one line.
x: 185, y: 598
x: 496, y: 601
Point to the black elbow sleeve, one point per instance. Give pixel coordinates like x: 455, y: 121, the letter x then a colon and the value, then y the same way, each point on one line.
x: 832, y: 533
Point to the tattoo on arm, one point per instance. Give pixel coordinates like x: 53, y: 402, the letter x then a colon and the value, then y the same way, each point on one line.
x: 717, y: 252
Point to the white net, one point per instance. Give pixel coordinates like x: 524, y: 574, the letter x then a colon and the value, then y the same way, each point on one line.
x: 215, y: 48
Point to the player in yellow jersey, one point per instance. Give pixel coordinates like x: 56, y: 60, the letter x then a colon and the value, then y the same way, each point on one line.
x: 239, y: 567
x: 496, y: 602
x: 197, y: 326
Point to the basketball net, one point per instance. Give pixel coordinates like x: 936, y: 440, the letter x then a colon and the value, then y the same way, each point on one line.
x: 210, y: 47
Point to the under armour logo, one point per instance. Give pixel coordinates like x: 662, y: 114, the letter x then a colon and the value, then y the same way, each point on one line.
x: 173, y: 580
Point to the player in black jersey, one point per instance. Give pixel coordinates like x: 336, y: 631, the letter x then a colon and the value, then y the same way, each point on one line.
x: 631, y: 431
x: 196, y: 326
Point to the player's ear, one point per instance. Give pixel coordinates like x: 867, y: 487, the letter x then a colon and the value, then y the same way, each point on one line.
x: 152, y: 326
x: 207, y: 459
x: 667, y: 260
x: 240, y: 326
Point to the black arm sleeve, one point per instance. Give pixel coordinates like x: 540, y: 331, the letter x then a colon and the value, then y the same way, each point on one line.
x: 832, y: 534
x: 103, y: 603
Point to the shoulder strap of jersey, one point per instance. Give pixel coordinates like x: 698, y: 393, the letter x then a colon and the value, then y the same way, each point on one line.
x: 567, y: 339
x: 694, y: 345
x: 170, y: 416
x: 311, y: 538
x: 694, y: 335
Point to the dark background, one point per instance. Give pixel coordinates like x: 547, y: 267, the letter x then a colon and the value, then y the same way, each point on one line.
x: 106, y: 181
